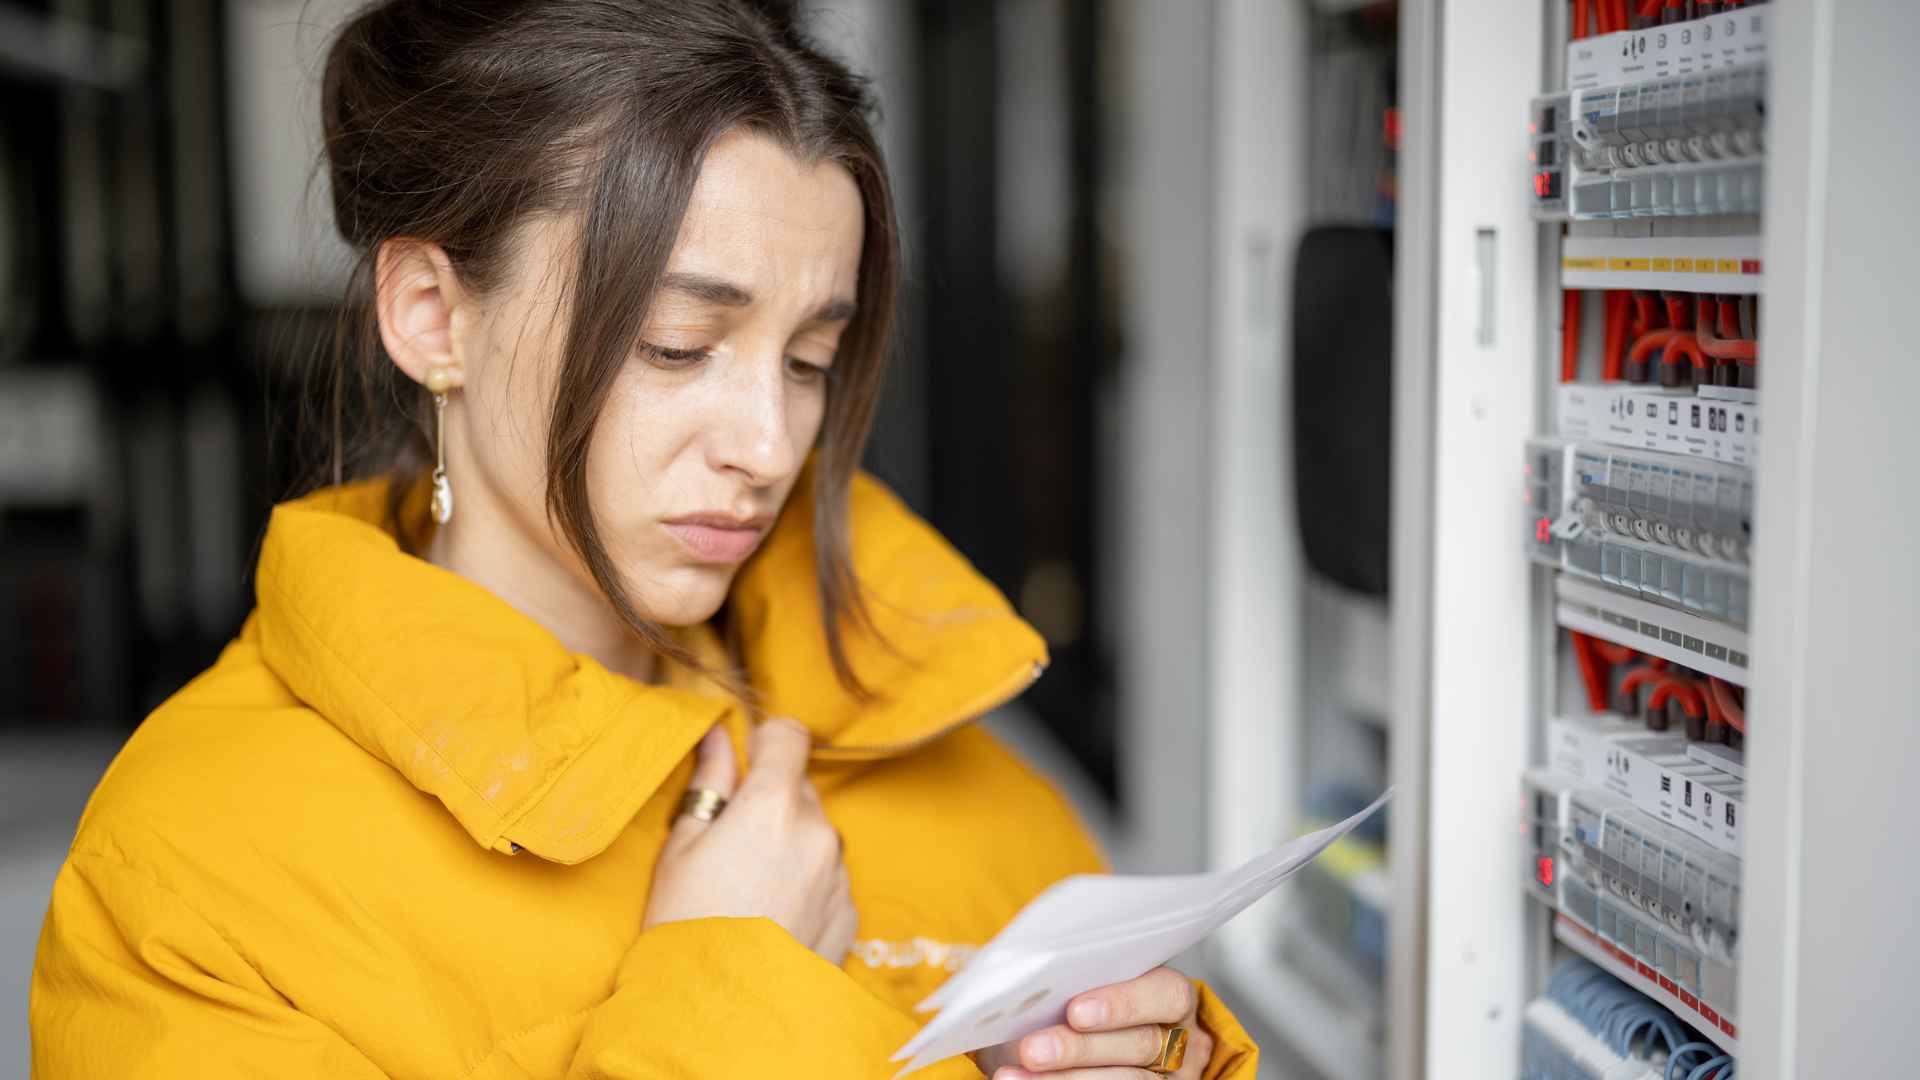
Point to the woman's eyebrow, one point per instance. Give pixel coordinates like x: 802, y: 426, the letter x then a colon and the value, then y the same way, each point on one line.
x: 715, y: 290
x: 711, y: 289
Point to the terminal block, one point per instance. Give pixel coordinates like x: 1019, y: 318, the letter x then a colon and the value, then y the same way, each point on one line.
x: 1675, y: 530
x: 1667, y: 121
x: 1684, y: 147
x: 1660, y: 872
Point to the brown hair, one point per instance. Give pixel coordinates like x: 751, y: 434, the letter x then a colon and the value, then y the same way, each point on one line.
x: 451, y: 123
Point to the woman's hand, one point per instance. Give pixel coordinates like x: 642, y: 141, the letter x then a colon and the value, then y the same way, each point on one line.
x: 770, y: 853
x: 1111, y: 1033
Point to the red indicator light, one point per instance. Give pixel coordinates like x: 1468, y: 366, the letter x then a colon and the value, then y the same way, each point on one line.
x: 1543, y: 530
x: 1543, y: 870
x: 1540, y: 184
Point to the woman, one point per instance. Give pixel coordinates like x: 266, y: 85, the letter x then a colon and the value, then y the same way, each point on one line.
x: 488, y: 784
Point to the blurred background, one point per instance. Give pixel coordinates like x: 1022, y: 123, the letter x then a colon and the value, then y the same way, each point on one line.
x: 1143, y: 386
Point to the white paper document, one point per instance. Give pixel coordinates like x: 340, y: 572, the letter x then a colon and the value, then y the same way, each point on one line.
x: 1092, y: 930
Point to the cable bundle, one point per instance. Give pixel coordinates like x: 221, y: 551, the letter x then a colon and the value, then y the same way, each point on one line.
x: 1592, y: 1026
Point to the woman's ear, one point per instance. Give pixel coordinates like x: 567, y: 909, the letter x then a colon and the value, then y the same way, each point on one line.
x: 416, y: 294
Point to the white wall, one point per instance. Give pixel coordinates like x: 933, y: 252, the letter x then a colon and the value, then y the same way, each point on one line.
x: 1831, y: 938
x: 44, y: 783
x: 285, y: 244
x: 1166, y: 460
x: 1466, y: 386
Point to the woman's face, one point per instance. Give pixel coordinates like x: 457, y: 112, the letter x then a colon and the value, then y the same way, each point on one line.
x: 707, y: 426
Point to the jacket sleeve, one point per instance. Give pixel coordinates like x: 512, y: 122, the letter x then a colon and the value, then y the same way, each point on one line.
x: 741, y: 997
x: 1235, y: 1055
x: 130, y: 981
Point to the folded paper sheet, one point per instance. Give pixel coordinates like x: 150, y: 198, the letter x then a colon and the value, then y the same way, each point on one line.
x: 1089, y: 931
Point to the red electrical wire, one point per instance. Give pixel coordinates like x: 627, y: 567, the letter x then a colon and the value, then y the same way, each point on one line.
x: 1613, y: 652
x: 1677, y: 311
x: 1592, y: 671
x: 1722, y: 348
x: 1603, y: 11
x: 1579, y: 19
x: 1640, y: 677
x: 1677, y: 688
x: 1714, y: 715
x: 1645, y: 315
x: 1616, y: 336
x: 1731, y: 710
x: 1650, y: 9
x: 1570, y: 335
x: 1644, y: 346
x: 1620, y: 15
x: 1684, y: 342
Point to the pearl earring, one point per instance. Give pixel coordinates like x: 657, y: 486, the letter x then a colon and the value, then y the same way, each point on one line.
x: 439, y: 381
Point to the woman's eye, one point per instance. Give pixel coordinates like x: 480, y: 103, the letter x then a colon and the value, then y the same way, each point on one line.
x: 803, y: 370
x: 674, y: 358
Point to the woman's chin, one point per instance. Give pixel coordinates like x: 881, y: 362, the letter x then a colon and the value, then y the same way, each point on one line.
x: 686, y: 595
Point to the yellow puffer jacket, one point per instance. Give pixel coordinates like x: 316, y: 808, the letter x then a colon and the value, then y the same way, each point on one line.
x: 398, y: 830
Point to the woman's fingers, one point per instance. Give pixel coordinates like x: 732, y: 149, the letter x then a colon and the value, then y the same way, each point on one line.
x: 1161, y: 996
x: 713, y: 765
x: 778, y: 756
x: 1097, y: 1073
x: 714, y: 770
x: 1061, y: 1048
x: 841, y: 930
x: 1105, y: 1055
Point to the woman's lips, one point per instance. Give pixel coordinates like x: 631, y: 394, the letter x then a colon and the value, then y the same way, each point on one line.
x: 718, y: 540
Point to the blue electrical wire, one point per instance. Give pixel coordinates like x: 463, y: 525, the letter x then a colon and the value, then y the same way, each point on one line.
x: 1620, y: 1016
x: 1688, y: 1050
x: 1704, y: 1070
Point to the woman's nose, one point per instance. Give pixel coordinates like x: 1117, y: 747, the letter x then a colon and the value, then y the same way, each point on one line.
x: 750, y: 432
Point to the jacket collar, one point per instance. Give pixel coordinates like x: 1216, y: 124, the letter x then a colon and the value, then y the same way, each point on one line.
x: 529, y: 745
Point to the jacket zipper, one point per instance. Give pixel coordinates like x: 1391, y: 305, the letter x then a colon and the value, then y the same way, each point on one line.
x: 1006, y: 690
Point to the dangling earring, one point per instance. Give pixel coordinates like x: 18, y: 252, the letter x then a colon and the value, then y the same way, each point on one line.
x: 439, y: 381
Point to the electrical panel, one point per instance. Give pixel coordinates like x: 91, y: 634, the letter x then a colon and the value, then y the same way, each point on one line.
x: 1646, y: 167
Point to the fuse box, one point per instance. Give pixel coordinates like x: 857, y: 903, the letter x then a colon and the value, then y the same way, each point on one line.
x: 1647, y: 165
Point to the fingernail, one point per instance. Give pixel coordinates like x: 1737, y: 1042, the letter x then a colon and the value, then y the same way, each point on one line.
x: 1008, y: 1072
x: 1044, y: 1051
x: 1089, y: 1013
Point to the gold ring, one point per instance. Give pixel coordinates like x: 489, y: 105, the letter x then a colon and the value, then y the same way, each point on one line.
x: 702, y: 804
x: 1173, y: 1051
